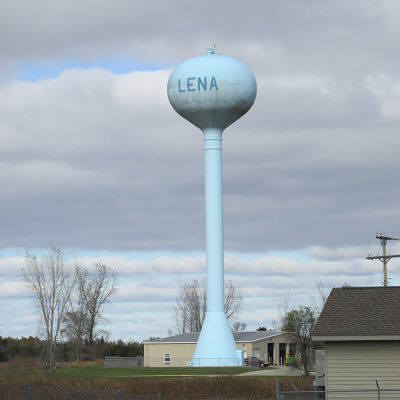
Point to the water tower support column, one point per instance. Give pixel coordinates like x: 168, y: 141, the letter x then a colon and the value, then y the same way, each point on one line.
x: 214, y: 220
x: 216, y: 345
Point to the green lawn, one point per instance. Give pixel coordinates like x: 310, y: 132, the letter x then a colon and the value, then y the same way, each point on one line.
x: 98, y: 372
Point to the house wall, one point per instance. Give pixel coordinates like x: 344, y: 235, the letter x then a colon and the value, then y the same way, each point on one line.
x: 246, y: 347
x: 355, y: 365
x: 261, y: 347
x: 182, y: 353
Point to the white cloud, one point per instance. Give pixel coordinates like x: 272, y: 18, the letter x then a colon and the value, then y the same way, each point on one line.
x: 387, y: 90
x: 105, y: 157
x: 149, y: 286
x: 10, y: 289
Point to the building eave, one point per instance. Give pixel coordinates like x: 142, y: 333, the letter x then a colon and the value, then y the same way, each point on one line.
x: 259, y: 339
x: 354, y: 338
x: 236, y: 341
x: 154, y: 342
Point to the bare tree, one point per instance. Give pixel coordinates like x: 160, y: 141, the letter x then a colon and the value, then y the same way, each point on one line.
x: 94, y: 288
x: 51, y: 283
x: 232, y: 302
x: 239, y: 326
x: 74, y: 327
x: 323, y: 294
x: 283, y: 308
x: 98, y: 286
x: 276, y: 325
x: 190, y: 309
x: 76, y: 321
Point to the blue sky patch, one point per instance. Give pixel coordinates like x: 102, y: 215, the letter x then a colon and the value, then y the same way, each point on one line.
x: 36, y: 71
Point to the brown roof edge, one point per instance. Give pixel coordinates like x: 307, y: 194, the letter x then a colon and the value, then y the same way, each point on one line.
x: 360, y: 312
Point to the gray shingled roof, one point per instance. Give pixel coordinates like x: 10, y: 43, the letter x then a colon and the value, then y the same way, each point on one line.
x: 238, y: 336
x: 360, y: 311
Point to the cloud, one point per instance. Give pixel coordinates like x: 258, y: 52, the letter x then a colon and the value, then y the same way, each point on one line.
x: 134, y: 292
x: 10, y: 266
x: 343, y: 253
x: 91, y: 159
x: 13, y: 290
x: 387, y: 91
x: 149, y: 286
x: 281, y: 35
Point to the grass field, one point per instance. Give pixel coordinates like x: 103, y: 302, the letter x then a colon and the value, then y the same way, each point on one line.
x: 96, y: 382
x: 98, y: 372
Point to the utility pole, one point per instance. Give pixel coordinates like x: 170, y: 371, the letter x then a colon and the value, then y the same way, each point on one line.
x: 384, y: 258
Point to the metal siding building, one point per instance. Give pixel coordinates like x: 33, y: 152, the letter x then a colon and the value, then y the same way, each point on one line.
x: 177, y: 351
x: 353, y: 365
x: 361, y: 331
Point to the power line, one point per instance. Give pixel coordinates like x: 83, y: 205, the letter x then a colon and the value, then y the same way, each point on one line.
x: 372, y: 270
x: 369, y: 253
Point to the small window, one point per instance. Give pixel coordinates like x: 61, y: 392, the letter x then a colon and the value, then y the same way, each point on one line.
x: 167, y: 358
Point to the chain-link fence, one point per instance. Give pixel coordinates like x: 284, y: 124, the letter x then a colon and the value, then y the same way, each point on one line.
x: 360, y: 394
x: 169, y: 361
x: 123, y: 362
x: 10, y: 392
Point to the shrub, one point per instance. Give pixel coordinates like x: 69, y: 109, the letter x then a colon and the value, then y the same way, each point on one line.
x: 292, y: 361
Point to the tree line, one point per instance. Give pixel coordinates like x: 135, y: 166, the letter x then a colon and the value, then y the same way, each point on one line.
x: 34, y: 347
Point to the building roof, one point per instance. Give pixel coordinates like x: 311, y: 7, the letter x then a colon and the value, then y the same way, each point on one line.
x: 238, y: 336
x: 360, y: 311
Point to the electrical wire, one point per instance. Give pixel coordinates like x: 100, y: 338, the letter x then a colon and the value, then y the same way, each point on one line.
x: 372, y: 269
x: 373, y: 264
x: 395, y: 235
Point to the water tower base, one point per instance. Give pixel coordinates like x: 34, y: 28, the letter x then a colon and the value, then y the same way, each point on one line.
x: 216, y: 346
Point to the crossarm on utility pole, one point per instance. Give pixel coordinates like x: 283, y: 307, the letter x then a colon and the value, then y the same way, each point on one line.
x: 384, y: 258
x: 381, y: 258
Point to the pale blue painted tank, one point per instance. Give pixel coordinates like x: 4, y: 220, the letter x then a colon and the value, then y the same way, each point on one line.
x: 212, y: 92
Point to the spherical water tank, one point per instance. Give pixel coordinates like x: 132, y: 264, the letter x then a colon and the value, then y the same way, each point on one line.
x: 212, y: 91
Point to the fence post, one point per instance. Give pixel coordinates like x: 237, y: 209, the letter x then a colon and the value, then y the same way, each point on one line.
x: 297, y: 390
x: 277, y: 388
x: 379, y: 390
x: 29, y: 392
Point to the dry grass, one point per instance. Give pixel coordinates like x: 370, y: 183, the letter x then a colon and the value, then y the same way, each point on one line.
x: 19, y: 364
x: 84, y: 364
x: 197, y: 388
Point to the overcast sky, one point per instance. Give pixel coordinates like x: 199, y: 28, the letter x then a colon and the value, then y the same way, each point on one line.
x: 94, y: 159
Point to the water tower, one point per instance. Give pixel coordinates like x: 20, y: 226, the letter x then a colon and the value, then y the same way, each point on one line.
x: 212, y: 92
